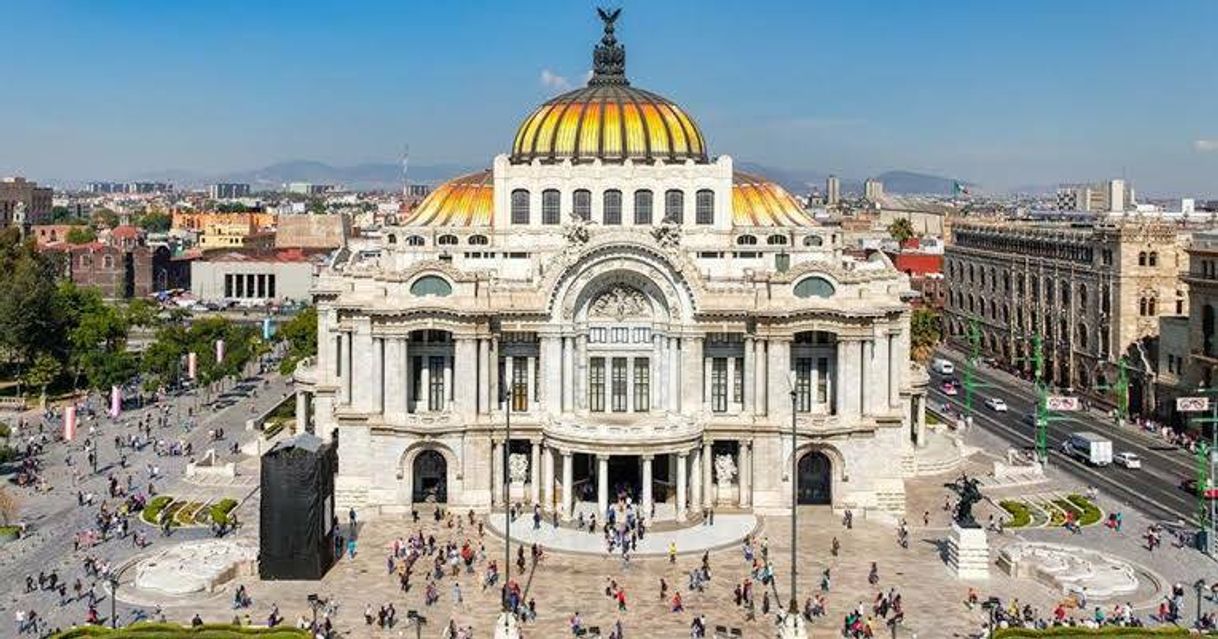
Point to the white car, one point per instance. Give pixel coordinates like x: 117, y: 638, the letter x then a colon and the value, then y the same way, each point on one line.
x: 1128, y: 460
x: 996, y: 405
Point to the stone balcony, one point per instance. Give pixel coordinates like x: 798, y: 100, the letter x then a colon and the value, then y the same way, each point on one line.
x: 306, y: 372
x: 617, y: 434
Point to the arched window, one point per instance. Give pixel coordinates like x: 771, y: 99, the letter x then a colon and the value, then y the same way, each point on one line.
x: 612, y: 213
x: 520, y: 206
x: 86, y: 260
x: 107, y: 261
x: 814, y: 287
x: 746, y: 240
x: 447, y: 240
x: 1082, y: 296
x: 393, y: 238
x: 550, y: 213
x: 982, y: 275
x: 814, y: 240
x: 776, y: 240
x: 415, y: 240
x: 1142, y: 258
x: 1153, y: 259
x: 1082, y: 336
x: 581, y: 204
x: 478, y: 240
x: 1207, y: 330
x: 971, y: 279
x: 1142, y: 306
x: 642, y: 207
x: 1179, y: 302
x: 431, y: 285
x: 1153, y: 306
x: 674, y: 206
x: 704, y: 207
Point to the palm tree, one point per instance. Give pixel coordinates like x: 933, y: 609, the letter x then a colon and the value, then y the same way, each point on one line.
x: 901, y: 230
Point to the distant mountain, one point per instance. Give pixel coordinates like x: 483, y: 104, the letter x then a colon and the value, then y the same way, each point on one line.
x: 909, y: 183
x: 363, y: 177
x: 797, y: 181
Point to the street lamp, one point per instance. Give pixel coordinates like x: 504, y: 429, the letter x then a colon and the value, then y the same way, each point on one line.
x: 1198, y: 587
x: 113, y: 597
x: 794, y: 606
x: 418, y: 620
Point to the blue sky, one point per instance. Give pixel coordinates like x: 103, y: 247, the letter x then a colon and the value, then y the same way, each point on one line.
x: 1003, y: 93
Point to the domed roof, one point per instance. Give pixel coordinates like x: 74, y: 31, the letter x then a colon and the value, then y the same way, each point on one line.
x: 467, y: 200
x: 609, y: 120
x: 759, y: 202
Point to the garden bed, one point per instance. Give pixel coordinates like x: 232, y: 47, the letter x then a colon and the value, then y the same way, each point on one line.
x: 1112, y: 632
x: 153, y: 510
x: 1021, y: 517
x: 146, y: 630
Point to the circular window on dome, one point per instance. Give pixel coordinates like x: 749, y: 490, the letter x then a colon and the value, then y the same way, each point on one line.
x: 814, y: 287
x: 431, y: 285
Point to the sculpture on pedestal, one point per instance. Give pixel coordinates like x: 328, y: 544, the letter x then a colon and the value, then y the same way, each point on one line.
x: 518, y: 468
x: 966, y: 488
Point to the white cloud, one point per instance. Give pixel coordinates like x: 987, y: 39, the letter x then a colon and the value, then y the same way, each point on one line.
x: 551, y: 80
x: 1205, y: 146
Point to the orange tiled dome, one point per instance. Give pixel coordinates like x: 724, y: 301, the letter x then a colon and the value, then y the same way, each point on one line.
x: 467, y: 200
x: 759, y: 202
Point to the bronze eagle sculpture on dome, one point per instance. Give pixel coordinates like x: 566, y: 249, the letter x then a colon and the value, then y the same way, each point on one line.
x: 608, y: 16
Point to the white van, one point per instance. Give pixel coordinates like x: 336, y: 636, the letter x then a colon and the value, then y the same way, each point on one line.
x: 1089, y: 447
x: 942, y: 366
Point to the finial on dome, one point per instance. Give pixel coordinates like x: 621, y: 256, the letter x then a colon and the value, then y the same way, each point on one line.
x: 609, y: 57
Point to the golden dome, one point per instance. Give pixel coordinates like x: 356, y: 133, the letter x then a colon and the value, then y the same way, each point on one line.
x: 759, y: 202
x: 467, y: 200
x: 608, y: 119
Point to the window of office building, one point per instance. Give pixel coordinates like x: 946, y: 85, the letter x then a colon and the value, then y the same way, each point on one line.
x: 642, y: 385
x: 619, y: 384
x: 596, y: 384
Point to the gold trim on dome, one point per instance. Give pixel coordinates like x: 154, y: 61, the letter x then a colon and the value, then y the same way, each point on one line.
x: 467, y: 200
x: 759, y: 202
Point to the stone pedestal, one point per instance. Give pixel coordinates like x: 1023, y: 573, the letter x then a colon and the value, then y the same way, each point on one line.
x: 516, y: 491
x: 506, y: 626
x: 792, y: 627
x: 968, y: 552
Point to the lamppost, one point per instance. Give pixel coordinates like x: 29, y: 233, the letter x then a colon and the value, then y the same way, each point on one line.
x: 418, y: 620
x: 113, y: 596
x: 1198, y: 587
x: 794, y: 606
x: 507, y: 492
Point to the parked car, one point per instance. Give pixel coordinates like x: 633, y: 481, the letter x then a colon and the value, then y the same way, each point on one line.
x: 995, y: 404
x: 949, y: 388
x: 1128, y: 460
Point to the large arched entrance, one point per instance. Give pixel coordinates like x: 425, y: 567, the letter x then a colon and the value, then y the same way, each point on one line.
x: 430, y: 477
x: 815, y: 479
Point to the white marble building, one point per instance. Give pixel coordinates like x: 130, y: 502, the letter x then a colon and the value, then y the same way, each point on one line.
x: 650, y: 320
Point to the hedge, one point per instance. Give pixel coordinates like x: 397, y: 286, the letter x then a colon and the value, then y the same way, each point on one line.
x: 154, y: 508
x: 146, y: 630
x: 1091, y: 512
x: 1107, y: 631
x: 221, y: 509
x: 1020, y: 515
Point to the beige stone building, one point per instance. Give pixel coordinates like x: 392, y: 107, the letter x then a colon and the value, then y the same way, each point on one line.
x: 1202, y: 280
x: 652, y: 322
x: 1095, y: 293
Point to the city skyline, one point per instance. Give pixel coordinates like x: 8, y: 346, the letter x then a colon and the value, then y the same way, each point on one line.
x: 1004, y: 97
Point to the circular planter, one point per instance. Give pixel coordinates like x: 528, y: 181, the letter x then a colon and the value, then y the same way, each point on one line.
x: 9, y: 533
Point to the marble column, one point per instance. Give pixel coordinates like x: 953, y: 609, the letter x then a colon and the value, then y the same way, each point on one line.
x: 551, y: 374
x: 691, y: 374
x: 777, y: 386
x: 840, y: 379
x: 695, y: 478
x: 363, y: 370
x: 464, y: 367
x: 448, y: 382
x: 496, y: 473
x: 866, y: 373
x: 535, y: 472
x: 708, y: 373
x: 629, y: 384
x: 745, y: 470
x: 894, y: 371
x: 921, y: 417
x: 568, y: 375
x: 567, y: 484
x: 484, y: 376
x: 653, y: 374
x: 509, y: 382
x: 681, y: 459
x: 547, y: 477
x: 423, y: 400
x: 378, y: 376
x: 674, y: 376
x: 395, y: 379
x: 602, y: 486
x: 302, y: 412
x: 646, y: 505
x: 530, y: 386
x: 492, y: 372
x: 708, y: 487
x: 750, y: 387
x: 761, y: 375
x: 581, y: 371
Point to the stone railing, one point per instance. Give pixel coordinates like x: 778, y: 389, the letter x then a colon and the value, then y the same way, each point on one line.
x: 597, y: 429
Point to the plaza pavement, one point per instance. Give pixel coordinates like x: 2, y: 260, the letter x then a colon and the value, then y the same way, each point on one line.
x: 729, y: 529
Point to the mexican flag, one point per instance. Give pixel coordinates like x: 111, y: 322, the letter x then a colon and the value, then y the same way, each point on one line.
x: 959, y: 189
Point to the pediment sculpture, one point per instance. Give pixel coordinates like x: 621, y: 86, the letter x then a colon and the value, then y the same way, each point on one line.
x: 619, y: 303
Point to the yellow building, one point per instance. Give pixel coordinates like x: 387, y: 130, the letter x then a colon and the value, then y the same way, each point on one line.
x: 235, y: 235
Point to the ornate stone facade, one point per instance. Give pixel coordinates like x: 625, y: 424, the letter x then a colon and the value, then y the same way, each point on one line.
x: 679, y: 325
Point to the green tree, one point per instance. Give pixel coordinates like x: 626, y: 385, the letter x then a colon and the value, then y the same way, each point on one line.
x: 42, y: 373
x: 925, y: 334
x: 300, y: 333
x: 98, y: 337
x: 154, y: 221
x: 901, y: 230
x: 144, y: 313
x: 81, y: 235
x: 28, y: 311
x: 105, y: 217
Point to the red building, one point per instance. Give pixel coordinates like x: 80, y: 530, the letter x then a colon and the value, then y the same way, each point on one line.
x: 924, y: 266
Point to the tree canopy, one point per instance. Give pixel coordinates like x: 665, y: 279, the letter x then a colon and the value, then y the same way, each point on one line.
x: 300, y: 333
x: 925, y: 334
x: 81, y: 235
x: 901, y: 230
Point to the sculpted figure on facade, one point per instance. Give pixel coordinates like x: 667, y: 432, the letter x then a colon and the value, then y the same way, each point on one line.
x: 725, y: 469
x: 619, y: 303
x: 518, y: 468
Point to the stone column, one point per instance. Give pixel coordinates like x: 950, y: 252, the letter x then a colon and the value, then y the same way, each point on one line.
x: 745, y: 469
x: 777, y: 387
x: 492, y: 373
x: 602, y: 486
x: 866, y: 375
x: 681, y: 458
x: 708, y: 488
x: 761, y: 375
x: 547, y: 477
x: 509, y: 381
x: 629, y: 384
x: 581, y: 371
x: 695, y: 478
x: 423, y: 401
x: 567, y: 484
x: 879, y: 363
x: 378, y: 375
x: 921, y: 417
x: 674, y: 376
x: 362, y: 379
x: 568, y: 375
x: 646, y: 505
x: 732, y: 406
x: 395, y: 379
x: 530, y: 386
x: 750, y: 371
x: 496, y: 473
x: 841, y: 379
x: 708, y: 374
x: 894, y: 371
x: 535, y: 472
x: 653, y: 374
x: 448, y: 381
x: 302, y: 412
x: 551, y: 374
x: 691, y: 374
x: 484, y: 383
x: 463, y: 371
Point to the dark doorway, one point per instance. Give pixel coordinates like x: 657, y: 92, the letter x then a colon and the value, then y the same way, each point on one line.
x: 815, y: 479
x: 625, y: 477
x: 430, y: 477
